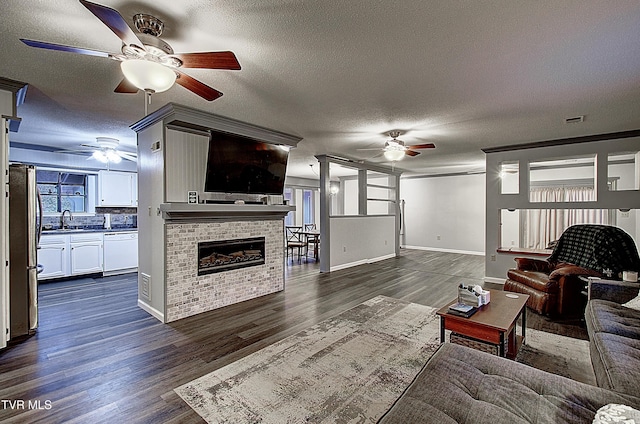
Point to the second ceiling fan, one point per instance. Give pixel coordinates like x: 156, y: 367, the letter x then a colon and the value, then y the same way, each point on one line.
x: 395, y: 150
x: 147, y: 61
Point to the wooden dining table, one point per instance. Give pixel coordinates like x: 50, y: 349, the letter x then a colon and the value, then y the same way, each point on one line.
x: 312, y: 236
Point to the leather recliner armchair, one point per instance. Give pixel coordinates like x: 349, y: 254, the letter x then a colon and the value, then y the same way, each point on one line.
x: 553, y: 289
x: 554, y: 285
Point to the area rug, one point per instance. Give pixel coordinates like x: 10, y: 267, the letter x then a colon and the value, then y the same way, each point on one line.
x: 348, y: 368
x: 557, y: 354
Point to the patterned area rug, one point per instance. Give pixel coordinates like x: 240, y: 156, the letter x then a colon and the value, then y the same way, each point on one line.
x: 349, y: 368
x: 558, y: 354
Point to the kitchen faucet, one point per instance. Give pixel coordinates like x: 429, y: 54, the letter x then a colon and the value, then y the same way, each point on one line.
x: 62, y: 218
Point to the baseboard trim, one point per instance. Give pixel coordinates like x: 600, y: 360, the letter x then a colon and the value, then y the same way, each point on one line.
x: 361, y: 262
x: 119, y: 271
x: 437, y: 249
x: 151, y: 310
x: 494, y: 280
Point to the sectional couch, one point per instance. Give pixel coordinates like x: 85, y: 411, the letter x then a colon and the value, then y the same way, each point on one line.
x: 462, y: 385
x: 614, y: 335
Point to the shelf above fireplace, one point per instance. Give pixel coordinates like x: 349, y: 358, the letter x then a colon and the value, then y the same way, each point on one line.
x: 186, y: 211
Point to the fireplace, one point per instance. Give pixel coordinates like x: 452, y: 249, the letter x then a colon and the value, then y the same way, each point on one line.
x: 225, y: 255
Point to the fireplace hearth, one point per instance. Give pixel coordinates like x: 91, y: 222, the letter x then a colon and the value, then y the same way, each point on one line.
x: 226, y: 255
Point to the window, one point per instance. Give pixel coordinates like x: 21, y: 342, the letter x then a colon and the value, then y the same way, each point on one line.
x: 307, y: 207
x: 62, y: 190
x: 289, y: 220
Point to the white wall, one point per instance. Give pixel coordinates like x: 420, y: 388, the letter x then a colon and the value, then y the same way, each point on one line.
x: 444, y: 213
x: 361, y: 239
x: 186, y: 155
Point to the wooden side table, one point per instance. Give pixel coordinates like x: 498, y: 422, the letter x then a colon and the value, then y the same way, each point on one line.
x: 494, y: 323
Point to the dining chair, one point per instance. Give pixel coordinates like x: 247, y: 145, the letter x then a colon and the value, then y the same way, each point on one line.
x: 313, y: 240
x: 295, y: 241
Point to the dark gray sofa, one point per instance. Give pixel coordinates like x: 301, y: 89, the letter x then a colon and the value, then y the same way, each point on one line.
x: 462, y: 385
x: 614, y: 335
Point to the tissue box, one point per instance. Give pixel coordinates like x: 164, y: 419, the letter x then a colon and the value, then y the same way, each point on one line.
x: 485, y: 296
x: 476, y: 298
x: 469, y: 298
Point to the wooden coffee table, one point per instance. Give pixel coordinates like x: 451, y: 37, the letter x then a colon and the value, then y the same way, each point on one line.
x: 494, y: 323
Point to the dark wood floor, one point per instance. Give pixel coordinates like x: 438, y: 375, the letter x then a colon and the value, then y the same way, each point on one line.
x: 98, y: 358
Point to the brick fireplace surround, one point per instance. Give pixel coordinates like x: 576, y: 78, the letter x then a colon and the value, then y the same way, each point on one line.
x: 189, y: 294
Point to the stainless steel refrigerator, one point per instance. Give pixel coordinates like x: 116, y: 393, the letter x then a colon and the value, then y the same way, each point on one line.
x: 24, y: 233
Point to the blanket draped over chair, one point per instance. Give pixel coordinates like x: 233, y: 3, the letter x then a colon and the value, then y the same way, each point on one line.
x: 554, y: 285
x: 603, y: 248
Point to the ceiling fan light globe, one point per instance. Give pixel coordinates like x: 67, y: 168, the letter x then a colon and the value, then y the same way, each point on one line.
x: 100, y: 156
x: 148, y: 75
x: 113, y: 157
x: 394, y: 154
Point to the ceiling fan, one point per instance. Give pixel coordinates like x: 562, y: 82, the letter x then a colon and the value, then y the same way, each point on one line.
x: 147, y: 61
x: 395, y: 150
x: 105, y: 149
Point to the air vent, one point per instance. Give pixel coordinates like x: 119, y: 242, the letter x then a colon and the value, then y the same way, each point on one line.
x: 574, y: 120
x: 145, y: 284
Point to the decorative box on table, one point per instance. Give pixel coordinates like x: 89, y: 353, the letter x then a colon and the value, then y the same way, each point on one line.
x: 473, y: 295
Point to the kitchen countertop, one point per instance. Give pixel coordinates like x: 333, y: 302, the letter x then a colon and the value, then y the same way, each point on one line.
x: 88, y: 230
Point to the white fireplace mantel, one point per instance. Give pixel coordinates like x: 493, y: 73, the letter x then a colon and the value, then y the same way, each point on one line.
x: 189, y: 211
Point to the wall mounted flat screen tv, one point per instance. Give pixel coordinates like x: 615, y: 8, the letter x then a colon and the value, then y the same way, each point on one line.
x: 238, y: 164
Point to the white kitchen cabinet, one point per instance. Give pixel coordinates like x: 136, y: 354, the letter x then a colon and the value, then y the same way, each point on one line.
x: 117, y: 188
x: 53, y: 255
x: 86, y: 255
x: 64, y: 255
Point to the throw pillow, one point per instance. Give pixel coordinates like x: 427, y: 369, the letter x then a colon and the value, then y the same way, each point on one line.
x: 633, y: 303
x: 615, y: 413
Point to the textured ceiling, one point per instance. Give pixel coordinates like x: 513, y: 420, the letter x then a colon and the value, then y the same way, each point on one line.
x: 461, y: 74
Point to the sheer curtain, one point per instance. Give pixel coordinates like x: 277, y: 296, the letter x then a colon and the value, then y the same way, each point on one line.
x: 542, y: 226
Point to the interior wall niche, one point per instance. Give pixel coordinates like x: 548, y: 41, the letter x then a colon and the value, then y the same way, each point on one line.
x: 565, y: 179
x: 624, y: 169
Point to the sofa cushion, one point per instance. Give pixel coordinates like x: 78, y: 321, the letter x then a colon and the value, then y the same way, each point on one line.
x: 610, y: 317
x: 616, y: 362
x: 462, y: 385
x: 535, y: 279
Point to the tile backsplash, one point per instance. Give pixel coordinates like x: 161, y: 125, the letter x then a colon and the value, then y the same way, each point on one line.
x: 119, y: 219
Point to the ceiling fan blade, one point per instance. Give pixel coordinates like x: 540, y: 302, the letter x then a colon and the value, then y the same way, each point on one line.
x: 126, y: 87
x: 77, y: 151
x: 422, y: 146
x: 116, y: 23
x: 63, y: 48
x: 378, y: 148
x: 197, y: 87
x: 411, y: 153
x: 128, y: 156
x: 209, y: 60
